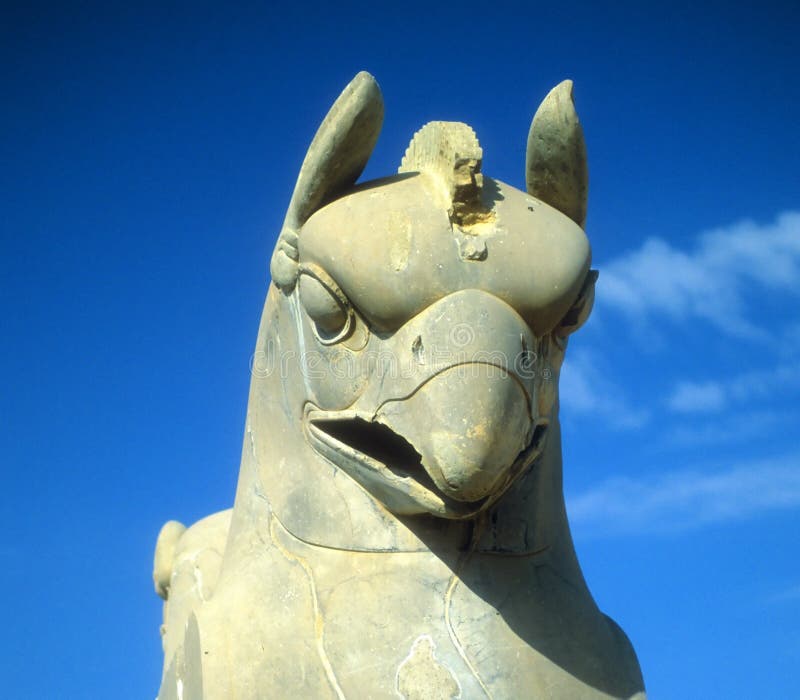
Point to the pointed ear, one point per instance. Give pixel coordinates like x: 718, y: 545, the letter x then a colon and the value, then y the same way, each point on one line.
x: 334, y: 161
x: 555, y: 169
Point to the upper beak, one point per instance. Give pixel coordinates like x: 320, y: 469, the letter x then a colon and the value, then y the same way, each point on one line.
x: 468, y: 423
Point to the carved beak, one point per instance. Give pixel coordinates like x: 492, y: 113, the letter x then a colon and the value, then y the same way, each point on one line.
x: 445, y: 437
x: 394, y: 472
x: 469, y: 423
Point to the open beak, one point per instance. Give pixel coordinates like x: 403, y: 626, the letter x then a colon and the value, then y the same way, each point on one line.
x: 450, y: 449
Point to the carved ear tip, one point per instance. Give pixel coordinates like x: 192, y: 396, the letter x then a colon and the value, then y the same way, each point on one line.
x: 365, y: 80
x: 566, y: 89
x: 364, y: 89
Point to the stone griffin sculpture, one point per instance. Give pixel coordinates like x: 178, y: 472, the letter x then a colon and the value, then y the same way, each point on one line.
x: 399, y: 527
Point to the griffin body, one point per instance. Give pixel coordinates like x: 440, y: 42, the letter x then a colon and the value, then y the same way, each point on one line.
x: 399, y: 526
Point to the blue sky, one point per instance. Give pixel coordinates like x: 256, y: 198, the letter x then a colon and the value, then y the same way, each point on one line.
x: 149, y: 153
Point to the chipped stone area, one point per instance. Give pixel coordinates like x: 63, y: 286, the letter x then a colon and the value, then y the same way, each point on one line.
x: 422, y: 676
x: 450, y: 151
x: 471, y: 247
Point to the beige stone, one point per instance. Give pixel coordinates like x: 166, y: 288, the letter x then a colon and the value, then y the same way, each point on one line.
x: 399, y: 527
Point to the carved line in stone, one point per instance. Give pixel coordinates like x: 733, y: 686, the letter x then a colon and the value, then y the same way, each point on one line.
x: 448, y: 599
x: 319, y: 623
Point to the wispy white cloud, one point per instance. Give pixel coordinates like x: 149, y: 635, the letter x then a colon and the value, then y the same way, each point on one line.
x: 712, y: 281
x: 747, y: 387
x: 683, y: 500
x: 585, y: 389
x: 736, y: 427
x: 689, y: 397
x: 724, y: 280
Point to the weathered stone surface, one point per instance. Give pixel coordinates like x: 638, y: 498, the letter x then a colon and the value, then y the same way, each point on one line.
x: 555, y: 168
x: 399, y: 526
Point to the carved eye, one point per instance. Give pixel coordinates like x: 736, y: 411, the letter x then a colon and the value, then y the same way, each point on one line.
x: 581, y: 309
x: 326, y: 305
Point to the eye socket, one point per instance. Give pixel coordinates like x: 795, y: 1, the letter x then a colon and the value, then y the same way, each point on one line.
x: 325, y: 304
x: 581, y: 309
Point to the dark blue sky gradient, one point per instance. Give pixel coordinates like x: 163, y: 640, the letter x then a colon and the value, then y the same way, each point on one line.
x: 148, y: 155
